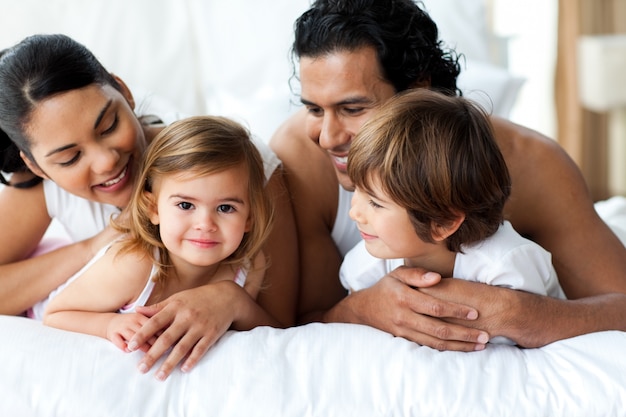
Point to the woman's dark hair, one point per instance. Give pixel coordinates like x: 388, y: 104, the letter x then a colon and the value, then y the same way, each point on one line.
x: 404, y: 36
x: 33, y: 70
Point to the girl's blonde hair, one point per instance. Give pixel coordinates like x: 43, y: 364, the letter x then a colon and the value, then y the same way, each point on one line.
x: 436, y: 156
x: 199, y: 146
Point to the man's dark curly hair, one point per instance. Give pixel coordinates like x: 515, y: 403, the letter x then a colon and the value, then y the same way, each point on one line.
x: 404, y: 36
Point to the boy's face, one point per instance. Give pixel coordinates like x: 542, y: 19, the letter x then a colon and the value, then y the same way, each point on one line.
x: 385, y: 226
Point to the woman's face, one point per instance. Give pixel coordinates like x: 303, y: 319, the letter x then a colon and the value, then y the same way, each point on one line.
x: 88, y: 141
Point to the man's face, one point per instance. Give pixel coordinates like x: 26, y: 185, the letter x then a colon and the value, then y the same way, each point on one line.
x: 341, y: 91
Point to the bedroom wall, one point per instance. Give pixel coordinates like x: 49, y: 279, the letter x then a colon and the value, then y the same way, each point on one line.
x: 231, y: 57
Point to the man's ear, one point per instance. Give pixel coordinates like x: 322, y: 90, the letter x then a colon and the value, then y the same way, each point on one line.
x: 443, y: 231
x: 422, y: 83
x: 32, y: 166
x: 153, y: 211
x: 125, y: 91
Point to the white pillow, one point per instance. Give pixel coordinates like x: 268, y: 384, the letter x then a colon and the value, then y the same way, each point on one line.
x: 313, y: 370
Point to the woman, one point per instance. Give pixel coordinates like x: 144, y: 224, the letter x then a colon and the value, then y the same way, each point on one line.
x: 66, y: 120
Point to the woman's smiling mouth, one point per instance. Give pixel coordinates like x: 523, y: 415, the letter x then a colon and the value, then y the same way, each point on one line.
x: 116, y: 180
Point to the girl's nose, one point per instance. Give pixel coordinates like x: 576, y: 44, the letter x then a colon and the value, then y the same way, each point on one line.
x: 206, y: 223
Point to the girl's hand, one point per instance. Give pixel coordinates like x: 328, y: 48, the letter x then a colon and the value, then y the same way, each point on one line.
x: 123, y: 327
x: 189, y: 322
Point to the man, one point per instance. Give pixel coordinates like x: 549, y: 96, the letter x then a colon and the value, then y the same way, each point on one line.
x: 353, y: 56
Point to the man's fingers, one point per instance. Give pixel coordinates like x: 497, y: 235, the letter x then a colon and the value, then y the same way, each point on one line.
x: 415, y: 277
x: 441, y: 335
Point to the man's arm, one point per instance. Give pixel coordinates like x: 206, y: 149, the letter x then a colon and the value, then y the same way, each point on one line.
x: 551, y: 205
x: 390, y: 305
x: 313, y: 187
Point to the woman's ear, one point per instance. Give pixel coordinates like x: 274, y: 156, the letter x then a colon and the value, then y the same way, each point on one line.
x: 125, y: 91
x: 32, y: 166
x: 443, y: 231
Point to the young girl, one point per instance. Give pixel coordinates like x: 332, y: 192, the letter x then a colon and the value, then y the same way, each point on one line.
x: 430, y: 189
x: 200, y: 216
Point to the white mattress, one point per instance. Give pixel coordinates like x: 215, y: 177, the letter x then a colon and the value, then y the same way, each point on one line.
x: 313, y: 370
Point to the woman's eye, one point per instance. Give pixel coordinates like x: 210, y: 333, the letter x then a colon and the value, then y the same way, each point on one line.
x: 185, y: 205
x: 225, y: 208
x: 375, y: 204
x: 113, y: 125
x: 71, y: 161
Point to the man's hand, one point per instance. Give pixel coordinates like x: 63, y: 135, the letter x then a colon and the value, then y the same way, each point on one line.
x: 396, y: 305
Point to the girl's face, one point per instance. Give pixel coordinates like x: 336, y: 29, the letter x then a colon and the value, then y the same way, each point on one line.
x: 202, y: 219
x: 89, y: 141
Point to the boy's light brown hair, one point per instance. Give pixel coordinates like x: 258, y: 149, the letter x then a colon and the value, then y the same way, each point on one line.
x: 436, y: 156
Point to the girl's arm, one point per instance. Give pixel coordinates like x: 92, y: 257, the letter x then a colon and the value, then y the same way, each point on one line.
x: 23, y: 280
x: 90, y: 302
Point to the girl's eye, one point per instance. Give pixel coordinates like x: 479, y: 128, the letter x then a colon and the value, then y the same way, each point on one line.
x: 185, y: 205
x: 113, y: 125
x: 71, y: 161
x: 375, y: 204
x: 225, y: 208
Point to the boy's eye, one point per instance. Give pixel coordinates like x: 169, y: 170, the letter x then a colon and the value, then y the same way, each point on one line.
x: 185, y: 205
x: 375, y: 204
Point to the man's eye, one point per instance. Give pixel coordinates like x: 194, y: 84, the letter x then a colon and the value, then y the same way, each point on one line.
x: 315, y: 111
x: 185, y: 205
x: 71, y: 161
x: 353, y: 110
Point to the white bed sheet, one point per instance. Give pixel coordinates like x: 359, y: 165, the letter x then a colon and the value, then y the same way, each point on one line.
x: 312, y: 370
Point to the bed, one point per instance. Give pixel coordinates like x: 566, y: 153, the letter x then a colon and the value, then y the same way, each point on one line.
x: 312, y: 370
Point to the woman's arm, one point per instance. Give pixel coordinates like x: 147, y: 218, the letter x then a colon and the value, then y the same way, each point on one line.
x: 23, y: 280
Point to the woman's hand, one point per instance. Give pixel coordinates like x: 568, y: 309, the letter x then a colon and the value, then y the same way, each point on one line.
x: 189, y: 322
x: 396, y: 305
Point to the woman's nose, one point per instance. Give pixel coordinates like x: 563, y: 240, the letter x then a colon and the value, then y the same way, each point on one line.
x: 106, y: 161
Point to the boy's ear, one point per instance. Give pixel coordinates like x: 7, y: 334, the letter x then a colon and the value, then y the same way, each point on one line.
x: 32, y: 166
x: 153, y: 212
x: 443, y: 231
